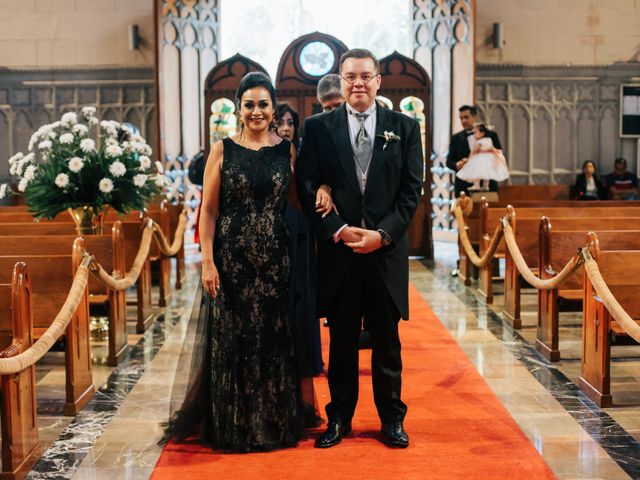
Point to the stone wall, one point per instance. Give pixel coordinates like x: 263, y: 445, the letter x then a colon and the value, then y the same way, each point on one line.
x: 64, y: 33
x: 559, y: 32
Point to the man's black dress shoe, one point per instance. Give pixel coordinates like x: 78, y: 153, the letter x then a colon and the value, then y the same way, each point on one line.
x: 333, y: 434
x: 395, y: 435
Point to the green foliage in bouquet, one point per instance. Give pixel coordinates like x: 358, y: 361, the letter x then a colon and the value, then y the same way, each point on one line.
x: 73, y: 170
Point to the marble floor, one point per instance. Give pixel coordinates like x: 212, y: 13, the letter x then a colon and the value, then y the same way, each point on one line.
x: 116, y: 434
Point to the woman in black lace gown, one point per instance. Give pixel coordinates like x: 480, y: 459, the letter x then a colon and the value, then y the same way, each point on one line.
x: 243, y: 394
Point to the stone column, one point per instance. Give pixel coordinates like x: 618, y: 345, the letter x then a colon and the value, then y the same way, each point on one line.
x: 187, y: 48
x: 443, y: 42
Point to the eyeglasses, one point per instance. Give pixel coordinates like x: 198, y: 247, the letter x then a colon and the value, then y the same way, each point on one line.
x: 365, y: 77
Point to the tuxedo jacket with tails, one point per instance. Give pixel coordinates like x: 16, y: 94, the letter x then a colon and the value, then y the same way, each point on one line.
x: 389, y: 201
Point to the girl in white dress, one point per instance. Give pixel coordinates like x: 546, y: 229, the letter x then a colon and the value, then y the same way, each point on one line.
x: 485, y: 161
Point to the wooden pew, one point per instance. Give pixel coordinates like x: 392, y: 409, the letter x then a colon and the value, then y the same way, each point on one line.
x: 527, y: 234
x: 132, y: 231
x: 490, y: 218
x: 109, y: 250
x: 621, y: 272
x: 165, y: 214
x: 525, y: 196
x: 51, y: 279
x: 18, y: 417
x: 557, y: 245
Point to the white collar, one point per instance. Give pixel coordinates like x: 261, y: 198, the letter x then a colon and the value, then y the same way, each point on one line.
x: 369, y: 111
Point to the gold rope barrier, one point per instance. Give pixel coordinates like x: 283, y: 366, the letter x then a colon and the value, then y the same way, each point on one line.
x: 615, y: 309
x: 466, y: 243
x: 163, y: 243
x: 35, y: 352
x: 571, y: 266
x: 132, y: 276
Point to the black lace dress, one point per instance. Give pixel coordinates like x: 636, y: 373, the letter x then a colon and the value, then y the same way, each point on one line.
x: 243, y: 395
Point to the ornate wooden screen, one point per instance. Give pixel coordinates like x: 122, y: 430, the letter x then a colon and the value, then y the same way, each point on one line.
x: 222, y: 82
x: 304, y: 62
x: 403, y: 77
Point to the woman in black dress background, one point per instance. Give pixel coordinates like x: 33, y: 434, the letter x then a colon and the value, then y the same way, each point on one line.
x: 306, y: 326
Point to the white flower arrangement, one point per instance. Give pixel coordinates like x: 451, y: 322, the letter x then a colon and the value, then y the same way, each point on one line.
x: 68, y: 168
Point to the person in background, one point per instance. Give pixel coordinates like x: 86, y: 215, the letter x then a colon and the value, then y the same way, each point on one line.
x: 329, y: 92
x: 460, y: 149
x: 589, y: 185
x: 622, y: 184
x: 302, y: 284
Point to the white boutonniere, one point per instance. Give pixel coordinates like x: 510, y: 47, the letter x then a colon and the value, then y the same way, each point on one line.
x: 389, y: 137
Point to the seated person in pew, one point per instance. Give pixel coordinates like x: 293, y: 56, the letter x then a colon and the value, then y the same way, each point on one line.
x: 486, y: 162
x: 622, y: 184
x: 589, y: 185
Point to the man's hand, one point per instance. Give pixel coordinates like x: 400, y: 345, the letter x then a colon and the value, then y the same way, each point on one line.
x: 370, y: 240
x: 348, y: 235
x: 461, y: 163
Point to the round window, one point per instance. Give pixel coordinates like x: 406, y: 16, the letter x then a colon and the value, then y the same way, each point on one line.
x: 317, y: 58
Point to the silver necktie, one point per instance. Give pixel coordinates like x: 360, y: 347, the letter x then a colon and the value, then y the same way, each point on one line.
x: 363, y: 147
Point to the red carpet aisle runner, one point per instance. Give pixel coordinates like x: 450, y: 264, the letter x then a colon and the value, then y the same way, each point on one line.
x: 458, y: 428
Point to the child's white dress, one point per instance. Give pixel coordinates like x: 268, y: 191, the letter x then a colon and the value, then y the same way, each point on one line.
x: 485, y: 165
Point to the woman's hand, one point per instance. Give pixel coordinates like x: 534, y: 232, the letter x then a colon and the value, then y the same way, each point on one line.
x: 324, y: 202
x: 210, y: 278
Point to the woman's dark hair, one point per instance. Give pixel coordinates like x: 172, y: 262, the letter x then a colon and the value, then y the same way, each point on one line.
x: 255, y: 80
x: 595, y: 168
x: 283, y: 108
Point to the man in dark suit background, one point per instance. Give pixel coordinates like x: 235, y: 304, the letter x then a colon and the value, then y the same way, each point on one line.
x: 371, y: 158
x: 459, y: 147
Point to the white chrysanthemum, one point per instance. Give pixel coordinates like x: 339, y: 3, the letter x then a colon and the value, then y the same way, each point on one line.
x: 30, y: 172
x: 45, y: 145
x: 117, y: 169
x: 93, y: 121
x: 160, y: 181
x: 3, y: 190
x: 139, y: 180
x: 105, y: 185
x: 113, y: 151
x: 159, y: 167
x: 22, y: 185
x: 15, y: 158
x: 62, y: 180
x: 111, y: 141
x: 87, y: 145
x: 80, y: 129
x: 19, y: 166
x: 76, y: 164
x: 69, y: 118
x: 88, y: 111
x: 52, y: 134
x: 66, y: 138
x: 125, y: 128
x: 145, y: 162
x: 29, y: 157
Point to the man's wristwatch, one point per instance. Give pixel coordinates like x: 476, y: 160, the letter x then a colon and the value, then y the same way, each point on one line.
x: 386, y: 238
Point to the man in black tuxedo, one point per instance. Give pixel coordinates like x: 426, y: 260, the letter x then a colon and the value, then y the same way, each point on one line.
x: 459, y: 147
x: 371, y: 158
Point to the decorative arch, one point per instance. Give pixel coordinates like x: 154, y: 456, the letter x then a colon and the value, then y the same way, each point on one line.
x: 304, y: 62
x: 403, y: 77
x: 222, y: 82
